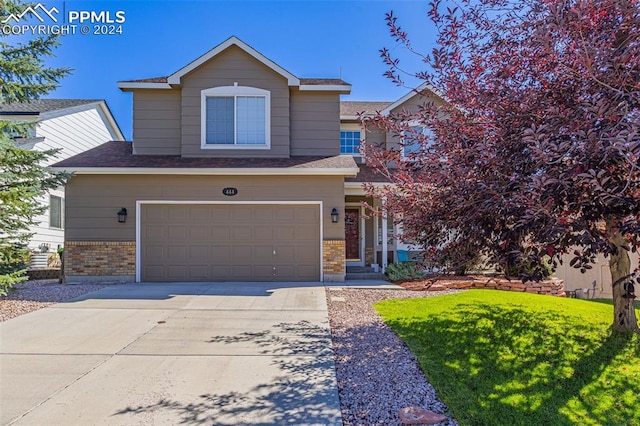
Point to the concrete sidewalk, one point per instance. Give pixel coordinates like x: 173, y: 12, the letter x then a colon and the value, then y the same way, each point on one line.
x: 166, y: 354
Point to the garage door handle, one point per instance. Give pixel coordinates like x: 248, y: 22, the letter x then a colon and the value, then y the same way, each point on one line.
x: 274, y: 252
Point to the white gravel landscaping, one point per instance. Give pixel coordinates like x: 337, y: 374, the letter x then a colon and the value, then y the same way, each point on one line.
x: 377, y: 373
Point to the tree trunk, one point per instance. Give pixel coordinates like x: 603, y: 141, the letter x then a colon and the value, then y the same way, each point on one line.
x: 624, y: 314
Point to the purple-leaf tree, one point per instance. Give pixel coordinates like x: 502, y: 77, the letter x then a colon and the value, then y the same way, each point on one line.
x: 535, y: 151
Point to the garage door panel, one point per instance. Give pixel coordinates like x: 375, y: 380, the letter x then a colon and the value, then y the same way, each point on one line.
x: 288, y: 215
x: 242, y: 214
x: 176, y: 252
x: 263, y: 254
x: 305, y: 270
x: 176, y: 272
x: 200, y: 253
x: 284, y: 233
x: 241, y: 233
x: 155, y: 272
x: 305, y: 233
x: 156, y: 233
x: 221, y: 253
x: 220, y: 215
x: 240, y: 252
x: 200, y: 214
x: 177, y: 213
x: 157, y: 214
x: 156, y: 252
x: 199, y: 233
x: 222, y: 233
x: 177, y: 233
x: 263, y: 214
x: 219, y: 270
x: 230, y: 242
x: 198, y: 272
x: 265, y: 271
x: 263, y: 233
x: 307, y: 216
x: 241, y: 273
x: 284, y: 252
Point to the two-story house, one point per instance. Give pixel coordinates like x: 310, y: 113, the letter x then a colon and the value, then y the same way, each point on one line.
x: 71, y: 126
x: 234, y: 174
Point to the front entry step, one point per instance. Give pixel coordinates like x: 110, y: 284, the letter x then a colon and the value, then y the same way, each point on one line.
x: 363, y: 273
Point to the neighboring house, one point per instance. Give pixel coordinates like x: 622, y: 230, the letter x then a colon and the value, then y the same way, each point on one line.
x: 72, y: 126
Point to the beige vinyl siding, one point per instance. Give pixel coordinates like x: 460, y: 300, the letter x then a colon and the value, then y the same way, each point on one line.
x: 229, y: 67
x: 156, y: 122
x: 315, y: 123
x: 414, y: 103
x: 375, y: 137
x: 93, y: 200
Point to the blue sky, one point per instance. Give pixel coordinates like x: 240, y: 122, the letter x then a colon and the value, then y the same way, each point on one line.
x: 308, y: 38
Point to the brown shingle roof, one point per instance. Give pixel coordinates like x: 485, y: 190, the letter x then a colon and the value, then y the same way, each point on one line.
x: 118, y: 154
x: 322, y: 81
x: 149, y: 80
x: 352, y: 108
x: 367, y: 174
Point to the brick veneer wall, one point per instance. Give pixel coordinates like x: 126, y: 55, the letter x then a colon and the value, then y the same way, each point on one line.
x: 368, y: 256
x: 99, y: 258
x: 333, y: 260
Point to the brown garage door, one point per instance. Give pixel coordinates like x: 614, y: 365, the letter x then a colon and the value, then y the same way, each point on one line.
x: 205, y: 242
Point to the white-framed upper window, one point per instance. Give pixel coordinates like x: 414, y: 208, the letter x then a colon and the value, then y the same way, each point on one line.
x: 416, y: 140
x: 56, y: 209
x: 350, y: 138
x: 235, y: 117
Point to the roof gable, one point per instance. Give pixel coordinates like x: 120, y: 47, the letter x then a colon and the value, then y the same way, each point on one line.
x: 419, y: 91
x: 47, y: 109
x: 232, y: 41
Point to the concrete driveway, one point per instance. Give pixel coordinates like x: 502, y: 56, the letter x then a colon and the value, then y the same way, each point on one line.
x: 167, y: 354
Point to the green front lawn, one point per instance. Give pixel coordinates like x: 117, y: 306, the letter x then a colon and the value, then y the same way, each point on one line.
x: 505, y: 358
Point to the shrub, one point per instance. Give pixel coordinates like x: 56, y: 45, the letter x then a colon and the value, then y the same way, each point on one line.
x: 13, y: 265
x: 456, y: 257
x: 529, y: 270
x: 403, y: 271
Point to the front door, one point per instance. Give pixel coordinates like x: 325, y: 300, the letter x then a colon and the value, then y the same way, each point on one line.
x: 352, y: 234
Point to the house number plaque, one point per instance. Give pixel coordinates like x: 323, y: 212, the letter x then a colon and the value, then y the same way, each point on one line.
x: 230, y: 192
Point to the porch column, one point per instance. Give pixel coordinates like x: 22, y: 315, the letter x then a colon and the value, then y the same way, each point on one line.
x: 385, y: 256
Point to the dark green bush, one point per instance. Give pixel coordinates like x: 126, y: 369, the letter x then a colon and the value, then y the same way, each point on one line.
x: 403, y: 271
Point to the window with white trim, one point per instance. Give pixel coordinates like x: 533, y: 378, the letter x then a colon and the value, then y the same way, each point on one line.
x: 55, y: 212
x: 235, y: 117
x: 415, y: 141
x: 350, y: 138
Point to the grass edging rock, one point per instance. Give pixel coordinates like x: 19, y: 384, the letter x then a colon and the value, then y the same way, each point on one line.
x: 552, y: 287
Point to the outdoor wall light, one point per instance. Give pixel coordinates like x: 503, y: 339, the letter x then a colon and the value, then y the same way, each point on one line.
x: 334, y: 215
x: 122, y: 215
